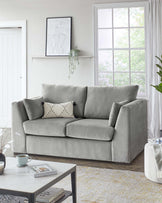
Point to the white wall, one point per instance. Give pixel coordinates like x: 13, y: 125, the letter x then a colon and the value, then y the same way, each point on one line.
x: 54, y: 70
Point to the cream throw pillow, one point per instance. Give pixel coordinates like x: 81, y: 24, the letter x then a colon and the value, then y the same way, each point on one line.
x: 62, y: 110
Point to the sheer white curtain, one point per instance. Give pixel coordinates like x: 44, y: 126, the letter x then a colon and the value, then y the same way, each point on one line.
x: 154, y: 47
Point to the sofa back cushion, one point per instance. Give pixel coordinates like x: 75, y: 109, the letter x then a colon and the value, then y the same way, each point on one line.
x: 60, y: 94
x: 100, y: 99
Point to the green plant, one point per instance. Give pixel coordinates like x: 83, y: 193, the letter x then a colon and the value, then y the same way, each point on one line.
x: 73, y: 61
x: 159, y: 86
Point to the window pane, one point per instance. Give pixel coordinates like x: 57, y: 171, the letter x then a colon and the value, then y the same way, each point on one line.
x: 105, y: 18
x: 121, y: 60
x: 138, y: 60
x: 136, y: 17
x: 121, y: 79
x: 105, y: 60
x: 121, y: 38
x: 105, y: 38
x: 120, y: 17
x: 139, y: 79
x: 137, y: 38
x: 121, y: 50
x: 105, y: 79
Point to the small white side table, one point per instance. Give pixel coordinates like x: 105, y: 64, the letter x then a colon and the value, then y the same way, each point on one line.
x: 150, y: 167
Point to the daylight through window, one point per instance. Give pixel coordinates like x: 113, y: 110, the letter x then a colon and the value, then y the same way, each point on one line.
x: 120, y: 47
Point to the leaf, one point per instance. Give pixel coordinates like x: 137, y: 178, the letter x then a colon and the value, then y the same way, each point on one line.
x: 159, y: 73
x: 158, y: 87
x: 159, y: 66
x: 159, y: 58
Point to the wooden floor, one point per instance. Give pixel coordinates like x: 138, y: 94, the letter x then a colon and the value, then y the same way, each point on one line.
x: 136, y: 165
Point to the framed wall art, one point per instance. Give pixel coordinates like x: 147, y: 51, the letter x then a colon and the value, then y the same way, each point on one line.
x: 58, y: 36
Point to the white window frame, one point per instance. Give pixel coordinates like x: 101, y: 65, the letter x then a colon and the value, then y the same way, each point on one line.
x: 119, y: 5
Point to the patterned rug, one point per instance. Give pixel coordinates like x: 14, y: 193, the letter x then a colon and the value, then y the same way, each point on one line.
x: 95, y: 185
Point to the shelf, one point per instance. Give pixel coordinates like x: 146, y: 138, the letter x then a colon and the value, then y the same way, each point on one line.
x: 58, y: 57
x: 67, y: 194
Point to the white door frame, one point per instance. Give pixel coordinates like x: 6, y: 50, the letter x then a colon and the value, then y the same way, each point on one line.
x: 22, y: 25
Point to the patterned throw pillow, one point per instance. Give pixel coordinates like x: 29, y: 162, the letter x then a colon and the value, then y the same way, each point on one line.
x: 62, y: 110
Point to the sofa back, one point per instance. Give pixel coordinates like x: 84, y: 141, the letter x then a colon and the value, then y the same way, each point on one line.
x: 61, y: 93
x: 100, y: 99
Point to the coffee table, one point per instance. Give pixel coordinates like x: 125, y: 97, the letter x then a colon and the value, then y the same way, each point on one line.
x: 21, y: 182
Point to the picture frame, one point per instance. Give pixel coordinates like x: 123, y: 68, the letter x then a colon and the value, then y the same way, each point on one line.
x: 58, y: 36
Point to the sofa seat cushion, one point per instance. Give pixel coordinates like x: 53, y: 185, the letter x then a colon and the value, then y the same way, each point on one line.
x: 54, y: 127
x: 92, y: 129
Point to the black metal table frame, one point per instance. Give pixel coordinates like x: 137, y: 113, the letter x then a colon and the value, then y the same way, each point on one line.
x: 32, y: 196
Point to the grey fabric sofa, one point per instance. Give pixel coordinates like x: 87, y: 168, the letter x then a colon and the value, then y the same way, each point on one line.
x: 88, y: 135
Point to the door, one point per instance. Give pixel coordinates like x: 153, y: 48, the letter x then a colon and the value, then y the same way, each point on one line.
x: 11, y: 71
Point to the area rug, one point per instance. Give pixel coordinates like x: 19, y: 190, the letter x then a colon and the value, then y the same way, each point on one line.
x: 95, y: 185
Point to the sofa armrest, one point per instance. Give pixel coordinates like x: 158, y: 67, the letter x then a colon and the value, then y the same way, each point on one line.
x: 130, y: 133
x: 19, y: 115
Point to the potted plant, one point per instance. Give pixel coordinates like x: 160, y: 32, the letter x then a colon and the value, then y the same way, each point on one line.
x: 5, y: 143
x: 159, y: 86
x: 73, y: 60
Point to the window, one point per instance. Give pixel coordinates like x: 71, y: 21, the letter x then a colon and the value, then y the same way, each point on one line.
x: 120, y: 45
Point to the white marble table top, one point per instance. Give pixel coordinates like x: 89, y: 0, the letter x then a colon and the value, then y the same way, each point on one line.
x: 22, y: 179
